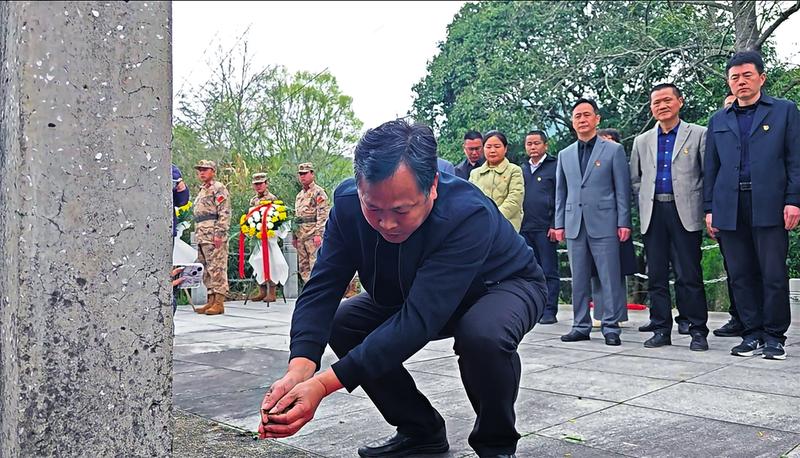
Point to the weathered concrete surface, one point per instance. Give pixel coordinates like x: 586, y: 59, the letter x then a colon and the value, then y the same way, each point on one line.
x: 582, y: 399
x: 197, y: 437
x: 85, y: 316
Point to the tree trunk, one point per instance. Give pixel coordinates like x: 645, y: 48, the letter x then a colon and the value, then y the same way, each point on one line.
x: 745, y: 24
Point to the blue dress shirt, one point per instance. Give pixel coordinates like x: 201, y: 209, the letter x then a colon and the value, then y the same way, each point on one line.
x: 666, y: 144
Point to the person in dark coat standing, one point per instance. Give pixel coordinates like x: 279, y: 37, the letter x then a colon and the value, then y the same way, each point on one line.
x: 752, y: 199
x: 538, y: 220
x: 473, y: 152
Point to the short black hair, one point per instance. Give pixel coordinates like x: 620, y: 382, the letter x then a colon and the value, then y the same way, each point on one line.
x: 540, y: 133
x: 613, y: 133
x: 495, y: 133
x: 585, y: 100
x: 381, y: 151
x: 746, y: 57
x: 661, y: 86
x: 473, y: 135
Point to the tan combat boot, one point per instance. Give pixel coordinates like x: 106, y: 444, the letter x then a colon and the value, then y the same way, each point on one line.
x: 209, y: 302
x: 271, y: 295
x: 218, y: 307
x: 260, y: 295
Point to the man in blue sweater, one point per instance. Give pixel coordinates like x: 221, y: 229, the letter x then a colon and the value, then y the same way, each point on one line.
x: 436, y: 259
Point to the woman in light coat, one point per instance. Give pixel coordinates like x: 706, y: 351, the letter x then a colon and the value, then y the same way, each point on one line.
x: 499, y: 179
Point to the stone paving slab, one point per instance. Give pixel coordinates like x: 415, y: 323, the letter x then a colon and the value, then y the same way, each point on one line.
x: 535, y: 410
x: 618, y: 401
x: 758, y: 379
x: 540, y: 446
x: 635, y: 431
x: 265, y: 363
x: 200, y: 384
x: 789, y: 365
x: 223, y: 336
x: 340, y: 436
x: 593, y: 384
x: 726, y: 404
x: 647, y: 367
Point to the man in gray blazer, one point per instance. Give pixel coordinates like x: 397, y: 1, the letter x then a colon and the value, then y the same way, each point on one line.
x: 593, y: 190
x: 667, y: 175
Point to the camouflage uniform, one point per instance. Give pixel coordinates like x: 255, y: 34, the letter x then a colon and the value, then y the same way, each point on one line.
x: 352, y: 288
x: 311, y: 211
x: 212, y: 215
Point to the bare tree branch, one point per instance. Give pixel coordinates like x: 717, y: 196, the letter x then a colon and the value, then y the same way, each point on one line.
x: 780, y: 19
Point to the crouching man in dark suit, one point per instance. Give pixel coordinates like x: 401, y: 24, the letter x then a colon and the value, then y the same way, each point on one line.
x: 752, y: 194
x: 437, y: 259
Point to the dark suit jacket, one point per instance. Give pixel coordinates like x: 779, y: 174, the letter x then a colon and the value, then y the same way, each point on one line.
x: 444, y: 266
x: 463, y: 168
x: 774, y: 163
x: 539, y: 205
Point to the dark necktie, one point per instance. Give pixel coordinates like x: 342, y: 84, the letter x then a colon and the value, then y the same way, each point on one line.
x: 585, y: 151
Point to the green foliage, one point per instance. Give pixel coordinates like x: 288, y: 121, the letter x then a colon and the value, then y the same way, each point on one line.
x: 515, y: 66
x: 263, y: 120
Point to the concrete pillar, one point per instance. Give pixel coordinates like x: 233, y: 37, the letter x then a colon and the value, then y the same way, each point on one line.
x: 291, y: 288
x: 85, y: 313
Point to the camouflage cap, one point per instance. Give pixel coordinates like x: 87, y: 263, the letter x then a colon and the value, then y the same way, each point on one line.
x: 206, y: 164
x: 259, y: 177
x: 305, y: 167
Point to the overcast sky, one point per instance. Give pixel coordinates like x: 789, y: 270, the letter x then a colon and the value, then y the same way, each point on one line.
x: 376, y: 50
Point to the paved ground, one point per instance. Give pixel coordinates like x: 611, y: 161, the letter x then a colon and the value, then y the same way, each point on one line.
x: 577, y: 399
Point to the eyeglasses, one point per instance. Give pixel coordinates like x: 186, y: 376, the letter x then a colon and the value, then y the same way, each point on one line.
x: 475, y: 148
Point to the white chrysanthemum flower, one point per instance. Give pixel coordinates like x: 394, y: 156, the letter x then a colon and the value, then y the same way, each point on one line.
x: 270, y: 225
x: 257, y: 216
x: 250, y: 221
x: 258, y: 226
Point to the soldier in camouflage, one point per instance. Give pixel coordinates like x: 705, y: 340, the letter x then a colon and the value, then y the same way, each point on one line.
x: 266, y: 291
x: 311, y: 210
x: 212, y: 216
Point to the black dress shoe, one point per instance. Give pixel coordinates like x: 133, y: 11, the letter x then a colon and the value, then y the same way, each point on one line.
x: 699, y: 343
x: 548, y: 319
x: 683, y: 327
x: 733, y: 328
x: 401, y: 445
x: 649, y: 327
x: 574, y: 336
x: 613, y: 339
x: 659, y: 339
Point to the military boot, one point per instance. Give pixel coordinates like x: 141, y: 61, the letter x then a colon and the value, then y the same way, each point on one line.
x: 271, y: 293
x: 218, y: 307
x: 260, y: 295
x: 209, y: 303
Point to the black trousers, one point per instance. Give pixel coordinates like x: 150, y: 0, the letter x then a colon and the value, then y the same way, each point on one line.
x: 547, y: 254
x: 486, y: 338
x: 756, y: 258
x: 668, y: 242
x: 731, y: 298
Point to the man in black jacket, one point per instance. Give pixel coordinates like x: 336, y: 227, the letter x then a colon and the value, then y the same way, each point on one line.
x: 752, y: 199
x: 538, y: 211
x: 436, y: 258
x: 473, y: 154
